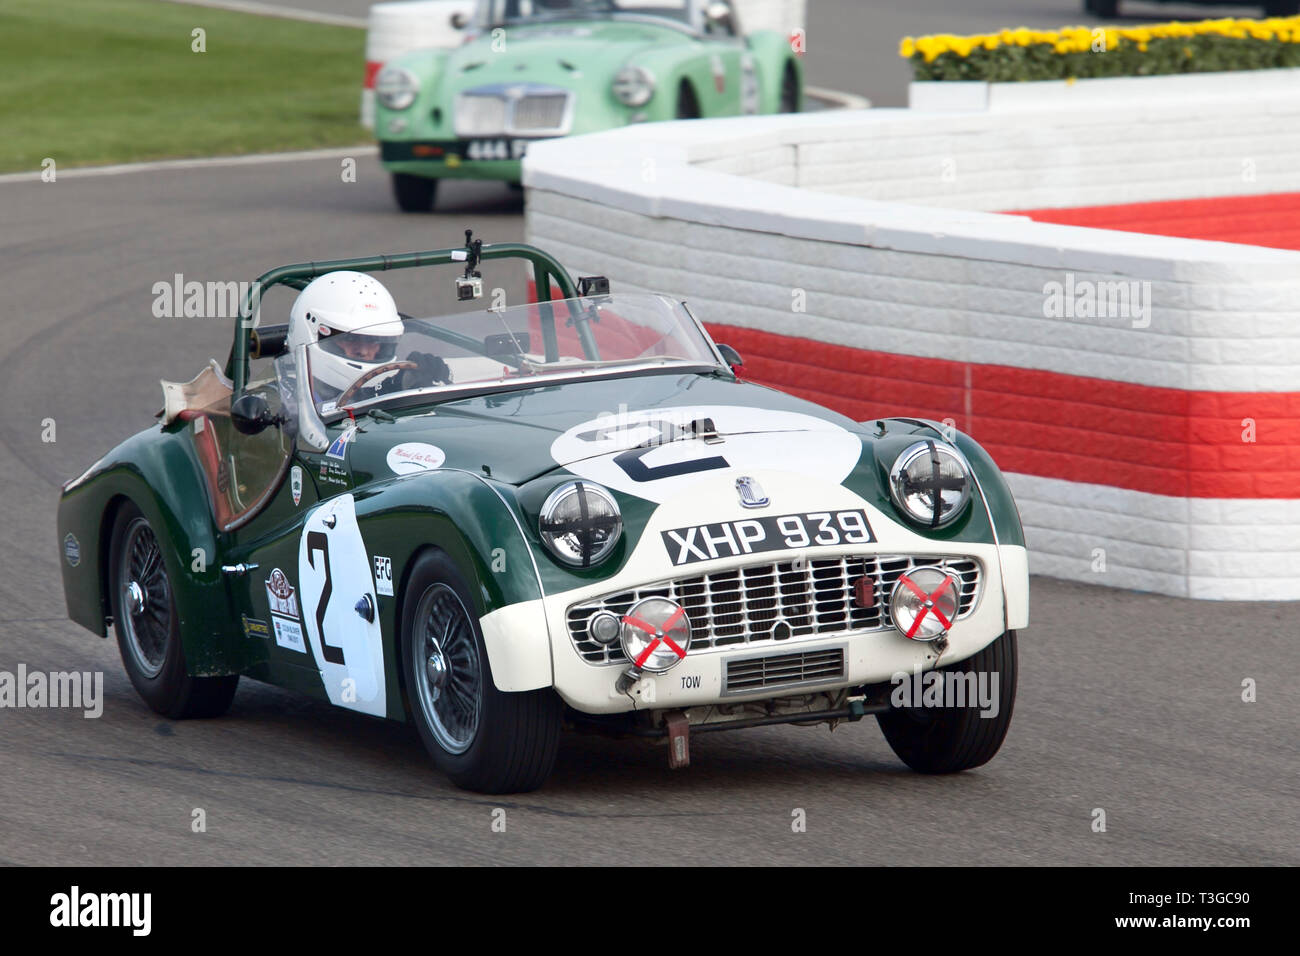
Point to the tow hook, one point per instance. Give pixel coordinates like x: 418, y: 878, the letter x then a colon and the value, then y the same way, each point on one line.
x: 679, y: 739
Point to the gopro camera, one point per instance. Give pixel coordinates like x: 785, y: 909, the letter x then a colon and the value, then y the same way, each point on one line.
x: 469, y: 287
x: 592, y: 285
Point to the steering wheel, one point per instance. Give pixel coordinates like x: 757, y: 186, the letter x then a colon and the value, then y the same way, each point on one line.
x: 356, y: 386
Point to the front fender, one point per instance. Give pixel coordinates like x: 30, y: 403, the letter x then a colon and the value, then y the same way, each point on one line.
x: 772, y: 55
x: 1002, y: 515
x: 473, y: 520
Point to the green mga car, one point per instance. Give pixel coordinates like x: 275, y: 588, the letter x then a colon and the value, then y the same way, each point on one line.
x: 571, y: 513
x: 532, y: 69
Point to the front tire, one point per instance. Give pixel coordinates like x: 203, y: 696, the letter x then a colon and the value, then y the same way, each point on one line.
x: 484, y: 739
x: 688, y: 105
x: 951, y: 739
x: 414, y: 193
x: 148, y: 627
x: 789, y: 90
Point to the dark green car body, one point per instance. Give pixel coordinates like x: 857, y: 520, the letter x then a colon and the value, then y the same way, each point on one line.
x: 479, y: 506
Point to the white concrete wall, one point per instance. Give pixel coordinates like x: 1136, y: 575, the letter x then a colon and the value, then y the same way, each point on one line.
x: 711, y: 211
x: 1045, y: 145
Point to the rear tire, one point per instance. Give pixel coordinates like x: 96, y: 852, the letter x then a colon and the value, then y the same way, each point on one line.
x: 484, y: 739
x: 1281, y: 8
x: 414, y: 193
x: 951, y: 739
x: 148, y: 629
x: 1107, y: 9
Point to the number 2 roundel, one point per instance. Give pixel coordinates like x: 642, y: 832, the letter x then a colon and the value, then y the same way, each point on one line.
x: 657, y: 453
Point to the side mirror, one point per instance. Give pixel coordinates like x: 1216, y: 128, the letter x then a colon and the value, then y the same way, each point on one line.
x: 250, y: 414
x: 458, y: 20
x: 731, y: 356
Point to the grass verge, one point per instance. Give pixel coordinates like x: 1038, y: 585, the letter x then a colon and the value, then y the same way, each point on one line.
x: 94, y: 82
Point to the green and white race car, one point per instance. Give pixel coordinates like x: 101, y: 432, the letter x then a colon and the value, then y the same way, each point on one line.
x: 569, y: 513
x: 532, y: 69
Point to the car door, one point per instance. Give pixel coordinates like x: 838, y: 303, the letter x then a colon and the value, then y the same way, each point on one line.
x: 301, y: 579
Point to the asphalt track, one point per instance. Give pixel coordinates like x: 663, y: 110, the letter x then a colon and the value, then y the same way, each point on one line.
x: 1128, y: 703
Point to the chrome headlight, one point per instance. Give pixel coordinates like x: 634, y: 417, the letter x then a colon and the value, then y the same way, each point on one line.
x: 396, y: 88
x: 656, y: 634
x: 580, y: 523
x: 929, y: 483
x: 634, y: 85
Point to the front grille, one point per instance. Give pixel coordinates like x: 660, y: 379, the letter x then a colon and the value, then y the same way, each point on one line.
x: 747, y: 674
x: 540, y: 112
x: 500, y: 110
x: 775, y: 601
x: 480, y: 115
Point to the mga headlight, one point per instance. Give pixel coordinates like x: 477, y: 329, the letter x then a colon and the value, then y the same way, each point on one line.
x: 634, y: 85
x: 396, y: 88
x: 580, y: 523
x: 929, y: 483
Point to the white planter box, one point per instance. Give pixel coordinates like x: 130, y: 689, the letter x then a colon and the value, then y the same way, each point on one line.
x: 1188, y: 89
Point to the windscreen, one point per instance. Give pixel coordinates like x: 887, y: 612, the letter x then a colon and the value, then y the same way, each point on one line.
x: 541, y: 342
x: 495, y: 12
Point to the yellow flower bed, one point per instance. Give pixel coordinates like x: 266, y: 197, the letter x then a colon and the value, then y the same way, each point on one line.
x: 1231, y: 44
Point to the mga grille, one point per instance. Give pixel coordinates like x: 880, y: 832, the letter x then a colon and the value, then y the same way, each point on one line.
x: 775, y: 602
x: 782, y: 670
x: 502, y: 111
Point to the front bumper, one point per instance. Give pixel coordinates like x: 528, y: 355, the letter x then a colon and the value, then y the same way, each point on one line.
x: 456, y: 158
x: 821, y: 661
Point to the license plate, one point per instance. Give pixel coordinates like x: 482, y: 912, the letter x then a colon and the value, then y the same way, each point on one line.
x: 733, y: 539
x: 489, y: 149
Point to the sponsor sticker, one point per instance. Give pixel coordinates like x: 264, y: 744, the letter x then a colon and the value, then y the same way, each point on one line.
x: 295, y: 484
x: 289, y: 634
x: 255, y: 628
x: 384, y: 576
x: 280, y: 594
x: 415, y: 456
x: 332, y: 473
x: 339, y: 447
x: 730, y: 539
x: 71, y: 550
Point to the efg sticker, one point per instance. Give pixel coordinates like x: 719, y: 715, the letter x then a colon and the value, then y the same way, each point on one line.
x: 289, y: 634
x: 72, y: 550
x: 415, y: 456
x: 255, y: 628
x: 295, y: 484
x: 384, y: 576
x: 279, y: 594
x: 339, y: 448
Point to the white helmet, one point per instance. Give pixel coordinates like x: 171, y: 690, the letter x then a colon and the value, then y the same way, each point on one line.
x: 349, y: 324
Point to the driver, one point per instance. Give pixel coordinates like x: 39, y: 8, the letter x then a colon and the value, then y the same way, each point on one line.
x: 350, y: 327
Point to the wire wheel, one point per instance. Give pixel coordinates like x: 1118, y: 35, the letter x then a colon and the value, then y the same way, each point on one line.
x: 146, y: 598
x: 447, y: 671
